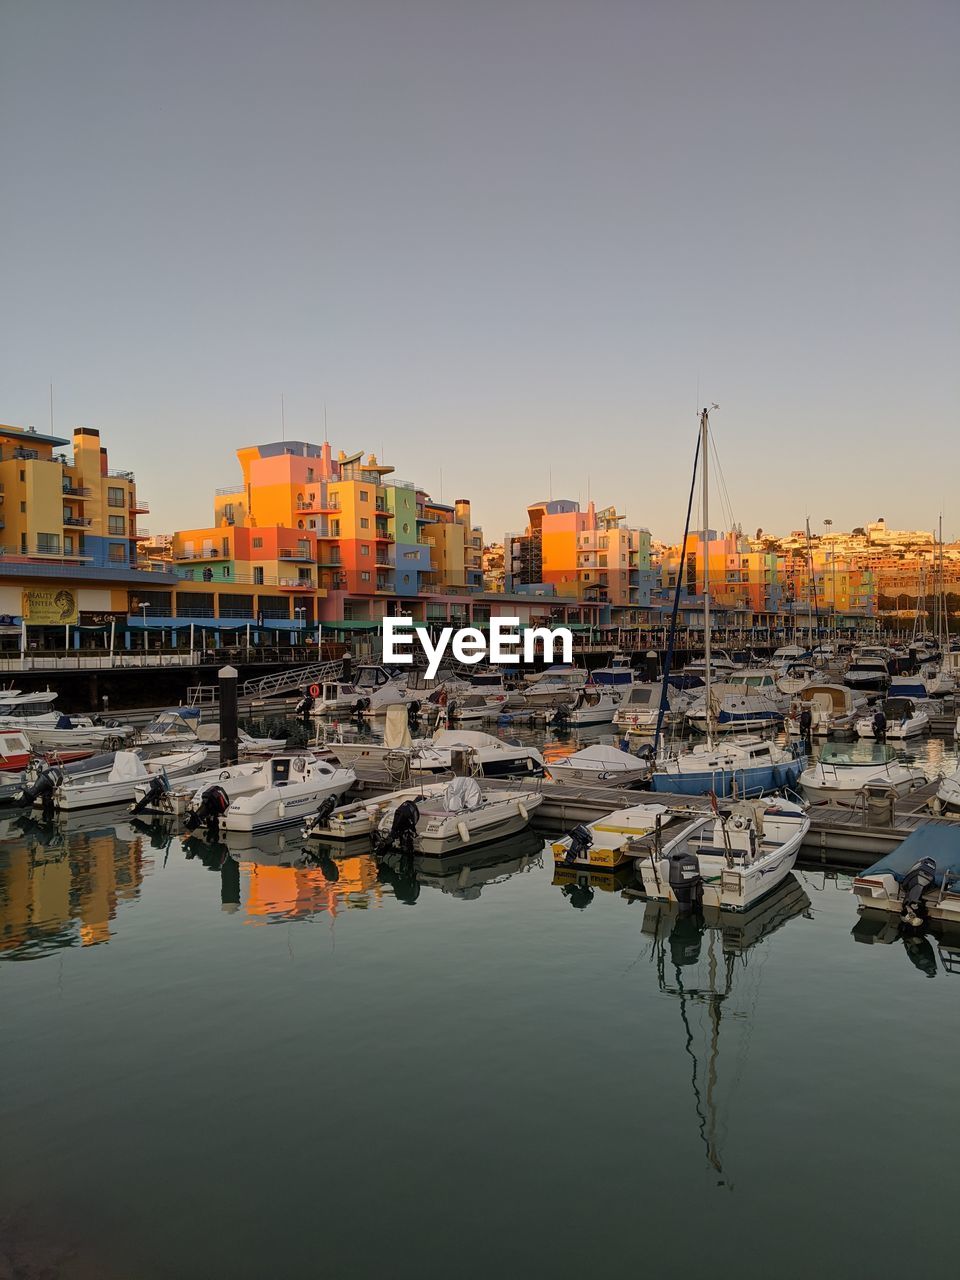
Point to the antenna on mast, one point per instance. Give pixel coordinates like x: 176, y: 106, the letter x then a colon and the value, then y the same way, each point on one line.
x: 283, y: 419
x: 51, y: 408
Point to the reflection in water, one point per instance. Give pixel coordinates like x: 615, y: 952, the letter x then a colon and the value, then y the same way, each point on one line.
x: 61, y: 885
x: 579, y: 886
x: 713, y: 982
x: 280, y: 879
x: 932, y: 950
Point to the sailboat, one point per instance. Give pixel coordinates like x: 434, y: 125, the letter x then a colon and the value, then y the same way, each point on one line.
x: 743, y: 765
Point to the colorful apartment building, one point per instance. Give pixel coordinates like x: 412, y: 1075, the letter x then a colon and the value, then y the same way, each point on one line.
x: 341, y: 536
x: 588, y: 555
x: 69, y: 535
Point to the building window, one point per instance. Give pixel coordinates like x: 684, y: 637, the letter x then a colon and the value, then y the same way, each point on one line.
x: 364, y: 522
x: 68, y: 544
x: 116, y: 524
x: 258, y: 574
x: 115, y: 497
x: 303, y: 548
x: 365, y: 575
x: 364, y: 496
x: 23, y: 508
x: 364, y: 549
x: 23, y: 477
x: 48, y: 543
x: 257, y: 542
x: 116, y: 553
x: 334, y: 528
x: 303, y: 575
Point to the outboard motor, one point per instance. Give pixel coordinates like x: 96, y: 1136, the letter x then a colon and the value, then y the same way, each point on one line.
x: 212, y: 805
x: 560, y: 720
x: 153, y: 795
x: 413, y: 712
x: 806, y: 723
x: 359, y: 707
x: 42, y: 788
x: 880, y: 726
x: 324, y: 810
x: 403, y: 829
x: 912, y: 888
x: 581, y: 842
x: 686, y: 883
x: 304, y: 707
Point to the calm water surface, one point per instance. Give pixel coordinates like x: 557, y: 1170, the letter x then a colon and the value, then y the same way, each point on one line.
x: 255, y: 1065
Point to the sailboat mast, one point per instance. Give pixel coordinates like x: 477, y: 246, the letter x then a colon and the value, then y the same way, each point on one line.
x: 705, y: 463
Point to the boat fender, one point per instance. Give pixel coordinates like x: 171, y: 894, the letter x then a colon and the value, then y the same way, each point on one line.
x: 522, y: 810
x: 464, y: 832
x: 281, y: 810
x: 936, y: 805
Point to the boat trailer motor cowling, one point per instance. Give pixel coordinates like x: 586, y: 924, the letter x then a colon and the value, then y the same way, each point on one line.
x: 685, y: 880
x: 913, y: 886
x: 403, y: 829
x: 207, y: 811
x: 581, y: 842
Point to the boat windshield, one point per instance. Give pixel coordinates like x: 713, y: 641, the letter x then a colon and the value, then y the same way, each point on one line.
x: 859, y: 753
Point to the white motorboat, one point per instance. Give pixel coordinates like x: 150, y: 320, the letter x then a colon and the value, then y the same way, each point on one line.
x: 919, y: 881
x: 115, y: 783
x: 843, y: 770
x: 796, y: 677
x: 833, y: 709
x: 472, y: 750
x: 290, y: 787
x: 868, y: 673
x: 558, y: 683
x: 601, y: 766
x: 947, y: 799
x: 640, y: 708
x: 619, y: 675
x: 897, y: 718
x: 788, y: 654
x: 727, y: 861
x: 183, y: 727
x: 51, y: 730
x: 733, y: 709
x: 592, y: 705
x: 443, y: 819
x: 370, y: 692
x: 159, y: 796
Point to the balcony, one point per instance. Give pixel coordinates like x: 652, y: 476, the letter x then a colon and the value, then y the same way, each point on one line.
x: 296, y: 584
x: 326, y: 561
x: 139, y: 507
x: 381, y: 535
x: 308, y: 557
x: 205, y: 553
x: 318, y: 505
x: 78, y: 522
x: 140, y: 535
x: 120, y: 475
x: 76, y: 490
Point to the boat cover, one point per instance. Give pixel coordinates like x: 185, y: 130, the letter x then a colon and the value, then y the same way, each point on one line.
x: 462, y: 793
x: 601, y: 757
x: 396, y: 732
x: 941, y: 843
x: 127, y: 766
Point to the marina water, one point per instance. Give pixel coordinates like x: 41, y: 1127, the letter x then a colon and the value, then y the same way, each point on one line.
x: 239, y: 1066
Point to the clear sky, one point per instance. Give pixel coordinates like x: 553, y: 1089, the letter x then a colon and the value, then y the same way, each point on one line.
x: 506, y: 239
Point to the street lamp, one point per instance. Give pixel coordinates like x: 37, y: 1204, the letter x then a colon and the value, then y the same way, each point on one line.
x: 144, y: 608
x: 300, y: 613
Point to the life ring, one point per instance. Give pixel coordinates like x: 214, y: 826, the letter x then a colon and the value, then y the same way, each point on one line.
x: 224, y: 776
x: 299, y: 764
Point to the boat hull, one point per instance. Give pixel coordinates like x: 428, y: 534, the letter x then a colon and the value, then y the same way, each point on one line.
x: 728, y: 782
